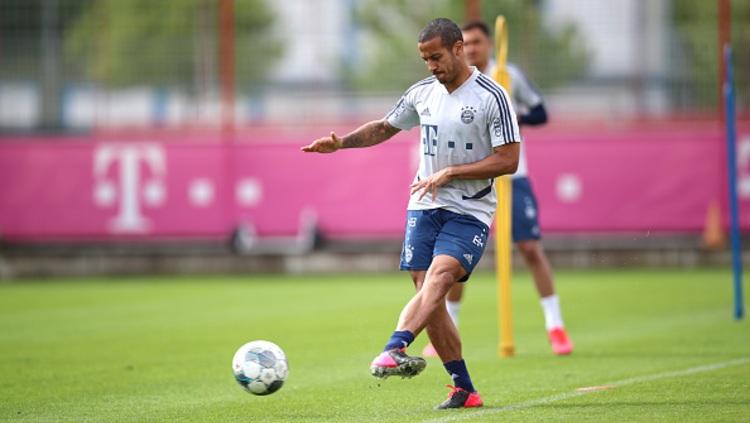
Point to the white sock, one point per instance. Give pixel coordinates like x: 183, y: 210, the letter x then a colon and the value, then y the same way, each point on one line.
x: 453, y: 308
x: 552, y: 315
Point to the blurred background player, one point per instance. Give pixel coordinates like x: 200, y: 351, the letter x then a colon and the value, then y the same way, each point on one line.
x: 530, y: 108
x: 470, y: 136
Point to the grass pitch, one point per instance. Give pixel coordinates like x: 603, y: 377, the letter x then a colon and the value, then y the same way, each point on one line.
x: 650, y: 346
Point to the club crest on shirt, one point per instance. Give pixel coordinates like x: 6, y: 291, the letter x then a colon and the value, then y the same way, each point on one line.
x: 467, y: 114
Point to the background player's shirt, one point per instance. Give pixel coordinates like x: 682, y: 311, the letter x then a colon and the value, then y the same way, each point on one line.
x: 457, y: 128
x: 525, y: 97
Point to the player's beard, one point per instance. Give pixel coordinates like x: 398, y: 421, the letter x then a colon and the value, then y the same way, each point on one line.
x: 445, y: 76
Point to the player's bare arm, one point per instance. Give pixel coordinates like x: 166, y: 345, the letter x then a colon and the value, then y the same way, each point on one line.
x: 367, y: 135
x: 503, y: 161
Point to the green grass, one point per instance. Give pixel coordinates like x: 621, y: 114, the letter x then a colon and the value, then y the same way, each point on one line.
x: 159, y: 349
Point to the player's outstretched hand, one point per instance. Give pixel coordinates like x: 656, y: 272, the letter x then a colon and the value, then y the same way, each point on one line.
x: 431, y: 184
x: 323, y: 145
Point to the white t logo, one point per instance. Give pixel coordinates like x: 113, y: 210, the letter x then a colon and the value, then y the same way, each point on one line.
x: 128, y: 187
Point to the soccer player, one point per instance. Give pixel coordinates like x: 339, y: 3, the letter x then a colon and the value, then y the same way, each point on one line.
x: 469, y: 137
x: 530, y: 108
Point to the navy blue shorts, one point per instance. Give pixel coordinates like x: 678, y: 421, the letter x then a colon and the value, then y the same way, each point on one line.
x: 430, y: 233
x: 525, y: 212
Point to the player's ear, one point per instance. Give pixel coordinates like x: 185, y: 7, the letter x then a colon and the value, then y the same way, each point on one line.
x: 458, y: 48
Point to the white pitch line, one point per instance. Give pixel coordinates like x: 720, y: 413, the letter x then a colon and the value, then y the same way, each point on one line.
x: 467, y: 415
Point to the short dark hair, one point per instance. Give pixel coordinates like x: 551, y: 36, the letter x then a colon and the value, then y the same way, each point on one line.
x: 480, y: 25
x: 444, y: 28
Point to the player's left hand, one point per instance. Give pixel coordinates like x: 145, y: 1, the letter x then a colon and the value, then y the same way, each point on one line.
x: 328, y: 144
x: 431, y: 184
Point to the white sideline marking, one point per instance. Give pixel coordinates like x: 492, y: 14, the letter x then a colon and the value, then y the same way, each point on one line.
x: 574, y: 394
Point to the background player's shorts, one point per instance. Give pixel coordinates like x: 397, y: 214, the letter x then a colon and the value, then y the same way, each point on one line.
x: 525, y: 212
x: 430, y: 233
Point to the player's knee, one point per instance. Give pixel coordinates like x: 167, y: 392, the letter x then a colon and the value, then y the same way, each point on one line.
x: 445, y: 276
x: 456, y: 292
x: 530, y: 251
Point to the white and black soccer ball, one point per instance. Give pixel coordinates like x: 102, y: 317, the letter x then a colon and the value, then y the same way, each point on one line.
x: 260, y: 367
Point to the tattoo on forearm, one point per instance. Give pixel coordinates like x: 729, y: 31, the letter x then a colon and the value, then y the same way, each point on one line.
x: 369, y: 134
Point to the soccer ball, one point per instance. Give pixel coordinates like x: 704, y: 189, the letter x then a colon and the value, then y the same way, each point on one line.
x: 260, y: 367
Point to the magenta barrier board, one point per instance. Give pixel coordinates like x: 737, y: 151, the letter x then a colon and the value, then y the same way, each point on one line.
x: 124, y: 187
x: 115, y: 189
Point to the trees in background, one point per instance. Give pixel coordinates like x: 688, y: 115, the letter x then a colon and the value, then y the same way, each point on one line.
x: 166, y: 43
x: 551, y: 56
x: 698, y: 41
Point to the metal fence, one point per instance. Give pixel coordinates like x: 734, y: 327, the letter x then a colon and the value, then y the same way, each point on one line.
x: 74, y: 65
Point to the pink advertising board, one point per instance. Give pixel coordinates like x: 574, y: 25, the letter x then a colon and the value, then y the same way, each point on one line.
x: 148, y: 186
x: 115, y: 189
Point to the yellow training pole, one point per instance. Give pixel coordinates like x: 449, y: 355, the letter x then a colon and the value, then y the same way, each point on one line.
x: 503, y: 214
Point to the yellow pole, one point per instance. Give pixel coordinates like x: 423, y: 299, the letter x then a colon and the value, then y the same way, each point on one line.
x: 503, y: 214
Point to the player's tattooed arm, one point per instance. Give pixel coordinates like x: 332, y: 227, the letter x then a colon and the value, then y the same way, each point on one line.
x: 369, y: 134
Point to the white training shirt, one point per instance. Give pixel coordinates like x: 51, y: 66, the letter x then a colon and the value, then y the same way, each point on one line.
x: 457, y: 128
x: 524, y: 97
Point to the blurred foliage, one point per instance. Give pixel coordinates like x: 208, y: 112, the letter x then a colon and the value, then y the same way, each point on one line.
x: 21, y: 23
x: 126, y: 42
x: 549, y: 56
x: 697, y: 31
